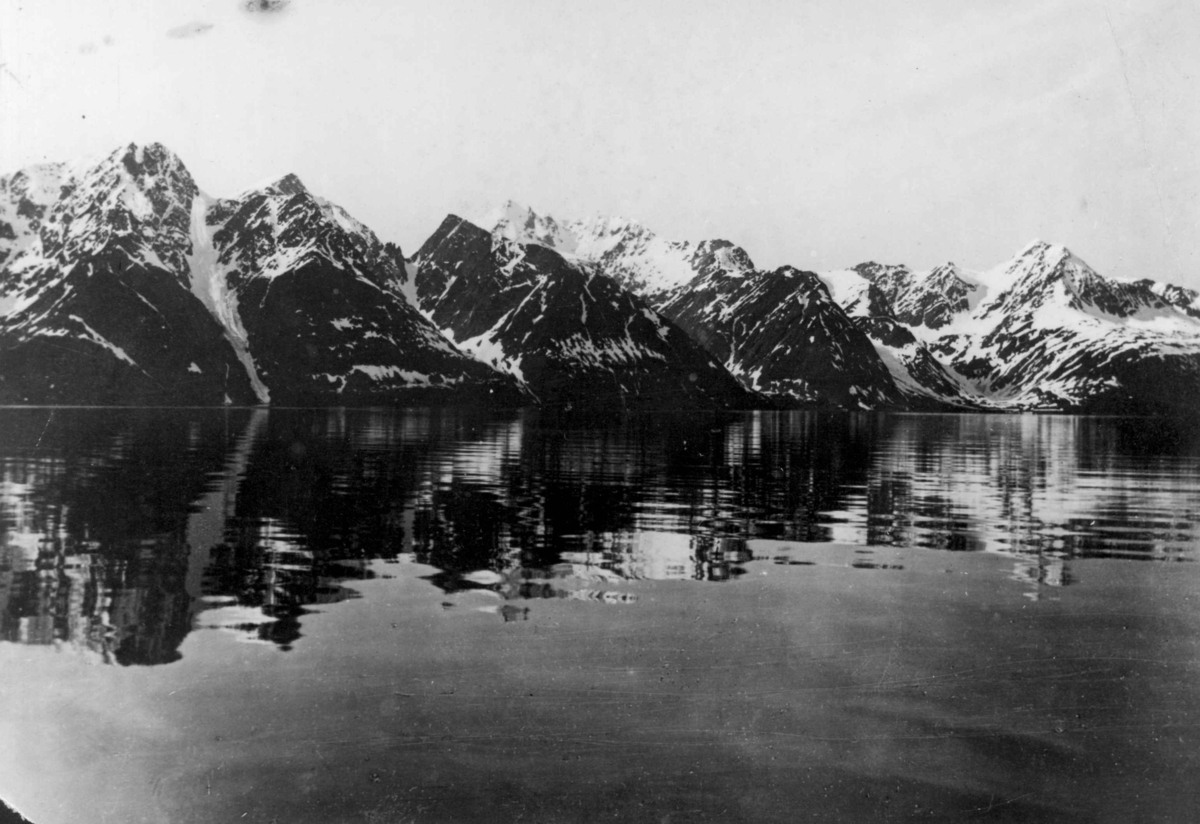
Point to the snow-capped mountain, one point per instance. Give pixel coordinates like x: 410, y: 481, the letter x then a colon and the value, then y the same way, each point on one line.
x: 924, y: 381
x: 778, y: 332
x: 622, y: 249
x: 782, y: 335
x: 93, y: 300
x: 571, y: 335
x: 921, y: 379
x: 305, y: 294
x: 1051, y: 332
x: 922, y: 298
x: 121, y: 282
x: 1042, y: 331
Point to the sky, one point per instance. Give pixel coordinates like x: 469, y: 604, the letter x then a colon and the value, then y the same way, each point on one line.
x: 818, y: 134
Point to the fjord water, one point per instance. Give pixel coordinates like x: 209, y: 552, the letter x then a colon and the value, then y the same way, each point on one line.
x: 448, y: 615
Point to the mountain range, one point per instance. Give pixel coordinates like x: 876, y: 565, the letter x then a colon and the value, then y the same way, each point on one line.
x: 121, y: 282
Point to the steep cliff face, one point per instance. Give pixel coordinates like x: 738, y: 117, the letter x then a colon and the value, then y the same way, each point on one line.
x: 122, y: 283
x: 1050, y: 332
x: 309, y: 297
x: 783, y: 335
x: 777, y: 332
x: 570, y: 335
x: 93, y: 300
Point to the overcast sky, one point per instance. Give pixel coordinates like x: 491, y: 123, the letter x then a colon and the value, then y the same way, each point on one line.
x: 813, y: 133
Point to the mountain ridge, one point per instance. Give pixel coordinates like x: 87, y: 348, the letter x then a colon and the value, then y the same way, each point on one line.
x: 121, y: 281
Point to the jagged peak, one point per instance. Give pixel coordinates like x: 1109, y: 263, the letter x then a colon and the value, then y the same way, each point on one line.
x: 289, y: 184
x: 617, y: 224
x: 945, y: 275
x: 453, y: 224
x: 137, y: 160
x: 1039, y: 258
x: 146, y: 179
x: 510, y: 211
x: 514, y: 219
x: 723, y: 254
x: 872, y: 270
x: 1033, y: 247
x: 144, y: 160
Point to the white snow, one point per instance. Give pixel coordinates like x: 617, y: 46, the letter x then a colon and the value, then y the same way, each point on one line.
x: 208, y: 283
x: 382, y: 372
x: 98, y: 339
x: 408, y: 286
x: 631, y: 252
x: 848, y: 289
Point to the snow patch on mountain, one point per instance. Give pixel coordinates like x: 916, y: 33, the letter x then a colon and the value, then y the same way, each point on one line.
x: 617, y: 247
x: 208, y: 283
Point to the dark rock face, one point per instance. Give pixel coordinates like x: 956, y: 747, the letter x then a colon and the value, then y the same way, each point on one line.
x: 122, y: 284
x: 921, y: 378
x: 573, y: 337
x: 931, y: 300
x: 1054, y: 334
x: 1187, y: 300
x: 783, y: 335
x: 1043, y: 331
x: 317, y: 298
x: 700, y: 286
x: 93, y: 308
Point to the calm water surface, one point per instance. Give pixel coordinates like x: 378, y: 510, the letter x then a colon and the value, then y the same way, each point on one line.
x: 441, y: 615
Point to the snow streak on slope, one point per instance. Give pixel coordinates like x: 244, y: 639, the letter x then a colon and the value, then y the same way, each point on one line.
x: 322, y: 305
x: 782, y: 335
x: 93, y: 287
x: 208, y: 283
x: 571, y: 335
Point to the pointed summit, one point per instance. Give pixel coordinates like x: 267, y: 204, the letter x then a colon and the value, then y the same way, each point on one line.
x: 518, y: 222
x: 289, y: 184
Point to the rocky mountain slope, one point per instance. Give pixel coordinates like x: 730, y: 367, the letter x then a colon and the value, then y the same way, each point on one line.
x: 1046, y: 331
x: 779, y: 332
x: 783, y: 335
x: 572, y: 336
x: 622, y: 249
x: 921, y: 379
x: 122, y: 283
x: 304, y: 293
x: 94, y: 306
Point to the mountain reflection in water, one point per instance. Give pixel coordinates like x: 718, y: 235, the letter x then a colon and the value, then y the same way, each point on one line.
x: 121, y: 531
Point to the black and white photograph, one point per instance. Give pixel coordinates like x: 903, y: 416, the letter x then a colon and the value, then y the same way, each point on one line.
x: 671, y: 411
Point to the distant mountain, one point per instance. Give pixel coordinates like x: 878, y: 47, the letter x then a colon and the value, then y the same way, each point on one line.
x: 572, y: 336
x: 1051, y: 332
x: 622, y: 249
x: 779, y: 332
x: 922, y: 380
x: 922, y: 299
x: 122, y: 283
x: 1046, y: 331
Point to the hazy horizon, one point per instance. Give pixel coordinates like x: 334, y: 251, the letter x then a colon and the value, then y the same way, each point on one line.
x: 819, y: 136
